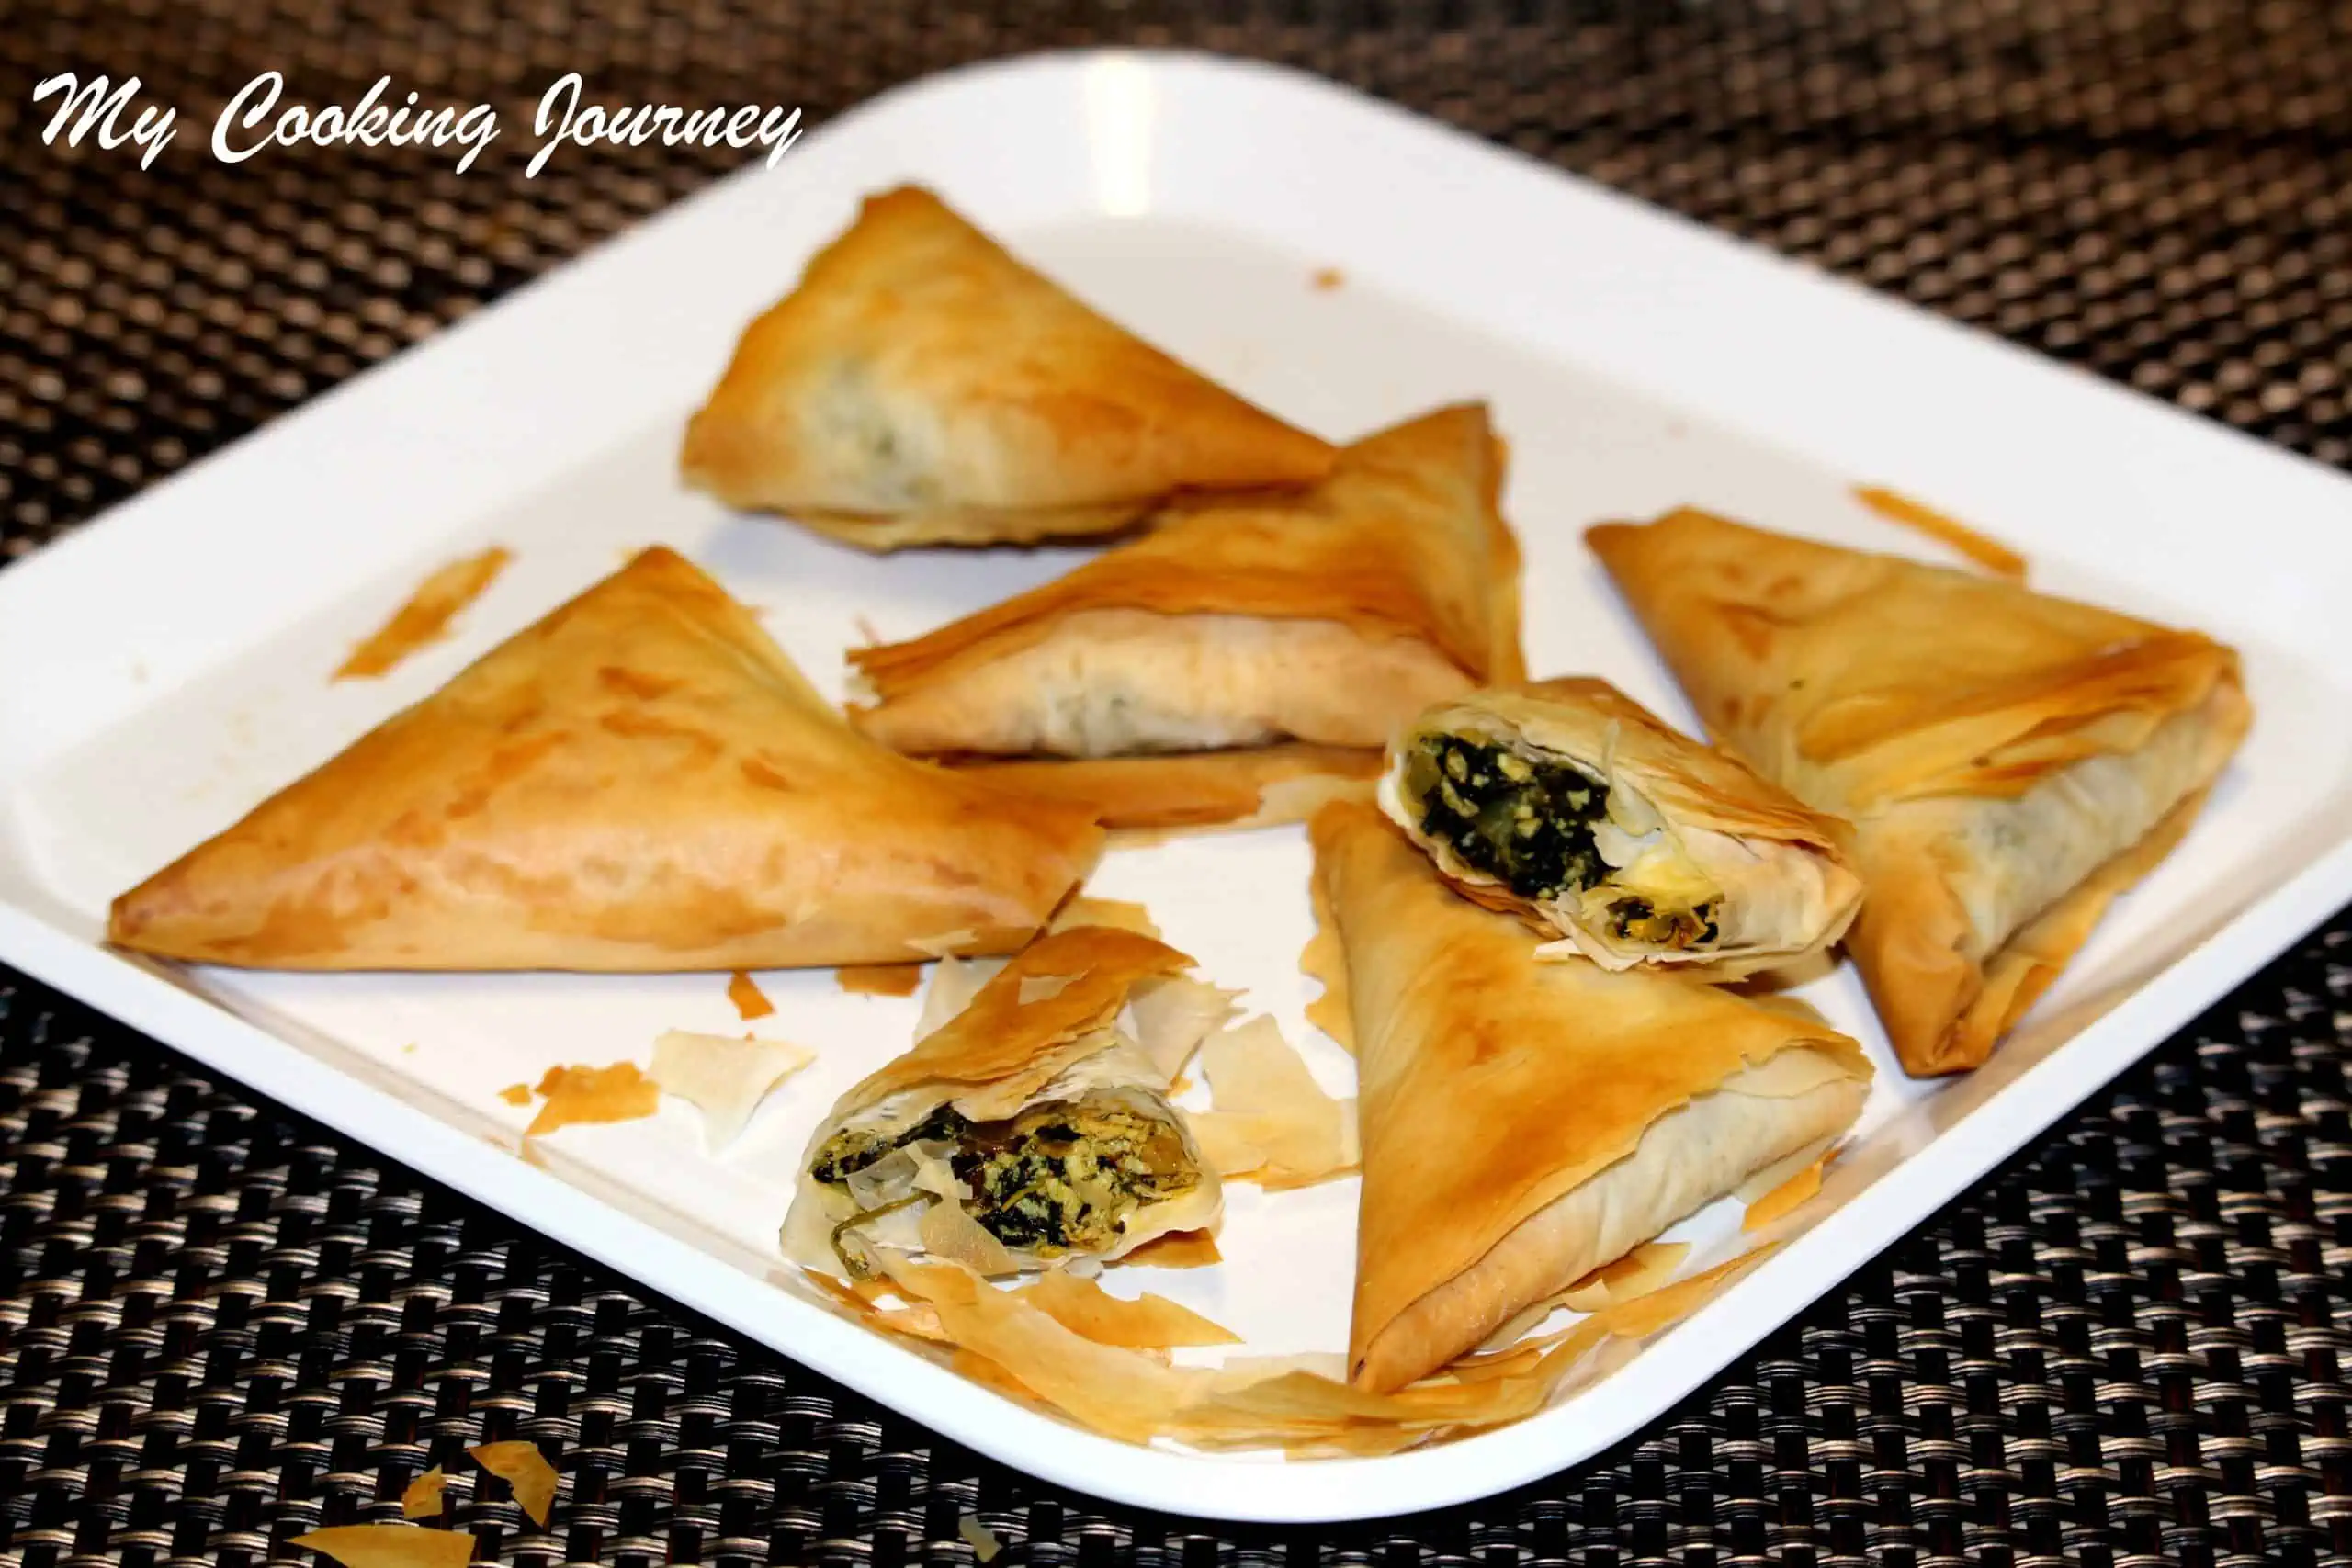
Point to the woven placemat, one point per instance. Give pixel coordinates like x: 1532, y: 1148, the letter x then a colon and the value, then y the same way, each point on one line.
x: 220, y: 1326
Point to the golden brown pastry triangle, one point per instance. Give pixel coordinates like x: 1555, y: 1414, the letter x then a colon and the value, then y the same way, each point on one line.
x: 2010, y: 761
x: 1328, y: 617
x: 641, y: 781
x: 922, y: 386
x: 1525, y: 1121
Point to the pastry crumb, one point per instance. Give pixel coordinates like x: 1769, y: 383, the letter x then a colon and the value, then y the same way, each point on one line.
x: 1272, y: 1122
x: 749, y: 1001
x: 577, y: 1094
x: 1327, y: 278
x: 422, y: 1499
x: 1118, y: 913
x: 425, y: 617
x: 879, y: 979
x: 526, y: 1471
x: 1896, y: 507
x: 985, y: 1546
x: 1177, y: 1249
x: 725, y: 1079
x: 390, y: 1546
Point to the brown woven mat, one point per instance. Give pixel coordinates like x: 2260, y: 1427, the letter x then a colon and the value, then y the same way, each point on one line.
x: 219, y: 1328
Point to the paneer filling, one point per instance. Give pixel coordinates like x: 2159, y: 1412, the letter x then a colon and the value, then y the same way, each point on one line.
x: 1058, y: 1177
x: 1632, y: 919
x: 1542, y: 827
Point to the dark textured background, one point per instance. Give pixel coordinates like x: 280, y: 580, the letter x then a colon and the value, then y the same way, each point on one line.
x: 219, y: 1328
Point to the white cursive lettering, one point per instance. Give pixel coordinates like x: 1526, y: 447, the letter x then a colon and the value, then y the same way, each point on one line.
x: 99, y: 109
x: 260, y: 117
x: 562, y: 118
x: 270, y: 84
x: 368, y: 123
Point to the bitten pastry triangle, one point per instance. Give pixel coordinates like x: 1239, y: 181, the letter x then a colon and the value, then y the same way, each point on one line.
x: 922, y: 386
x: 641, y: 781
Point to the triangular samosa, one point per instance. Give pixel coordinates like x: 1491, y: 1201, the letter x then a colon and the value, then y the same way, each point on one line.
x: 1328, y: 617
x: 922, y: 386
x: 2010, y: 761
x: 641, y: 781
x: 1525, y: 1122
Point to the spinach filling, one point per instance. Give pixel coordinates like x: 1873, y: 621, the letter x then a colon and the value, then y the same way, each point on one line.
x: 1060, y: 1177
x: 1526, y: 824
x: 851, y: 1150
x: 1068, y: 1175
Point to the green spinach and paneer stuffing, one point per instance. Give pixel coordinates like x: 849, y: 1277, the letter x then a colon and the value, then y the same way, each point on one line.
x: 1060, y: 1176
x: 1528, y: 823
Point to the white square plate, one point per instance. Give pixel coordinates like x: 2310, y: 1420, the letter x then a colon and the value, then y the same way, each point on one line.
x: 164, y: 669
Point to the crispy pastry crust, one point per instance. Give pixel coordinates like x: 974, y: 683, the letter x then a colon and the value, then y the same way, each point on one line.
x: 1689, y: 785
x: 993, y: 1057
x: 1949, y: 716
x: 922, y: 386
x: 1494, y: 1086
x: 641, y: 781
x: 1402, y: 549
x: 1247, y: 787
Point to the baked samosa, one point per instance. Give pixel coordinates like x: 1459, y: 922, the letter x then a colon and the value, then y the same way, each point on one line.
x: 1525, y: 1122
x: 1568, y: 803
x: 641, y: 781
x: 1031, y: 1128
x: 922, y: 386
x: 1328, y: 617
x: 2010, y: 761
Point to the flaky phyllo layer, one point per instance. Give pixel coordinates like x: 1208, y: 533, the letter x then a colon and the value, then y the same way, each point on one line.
x: 2009, y: 761
x: 639, y: 780
x: 921, y: 385
x: 1326, y: 615
x: 1031, y: 1127
x: 1525, y: 1121
x: 1569, y: 804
